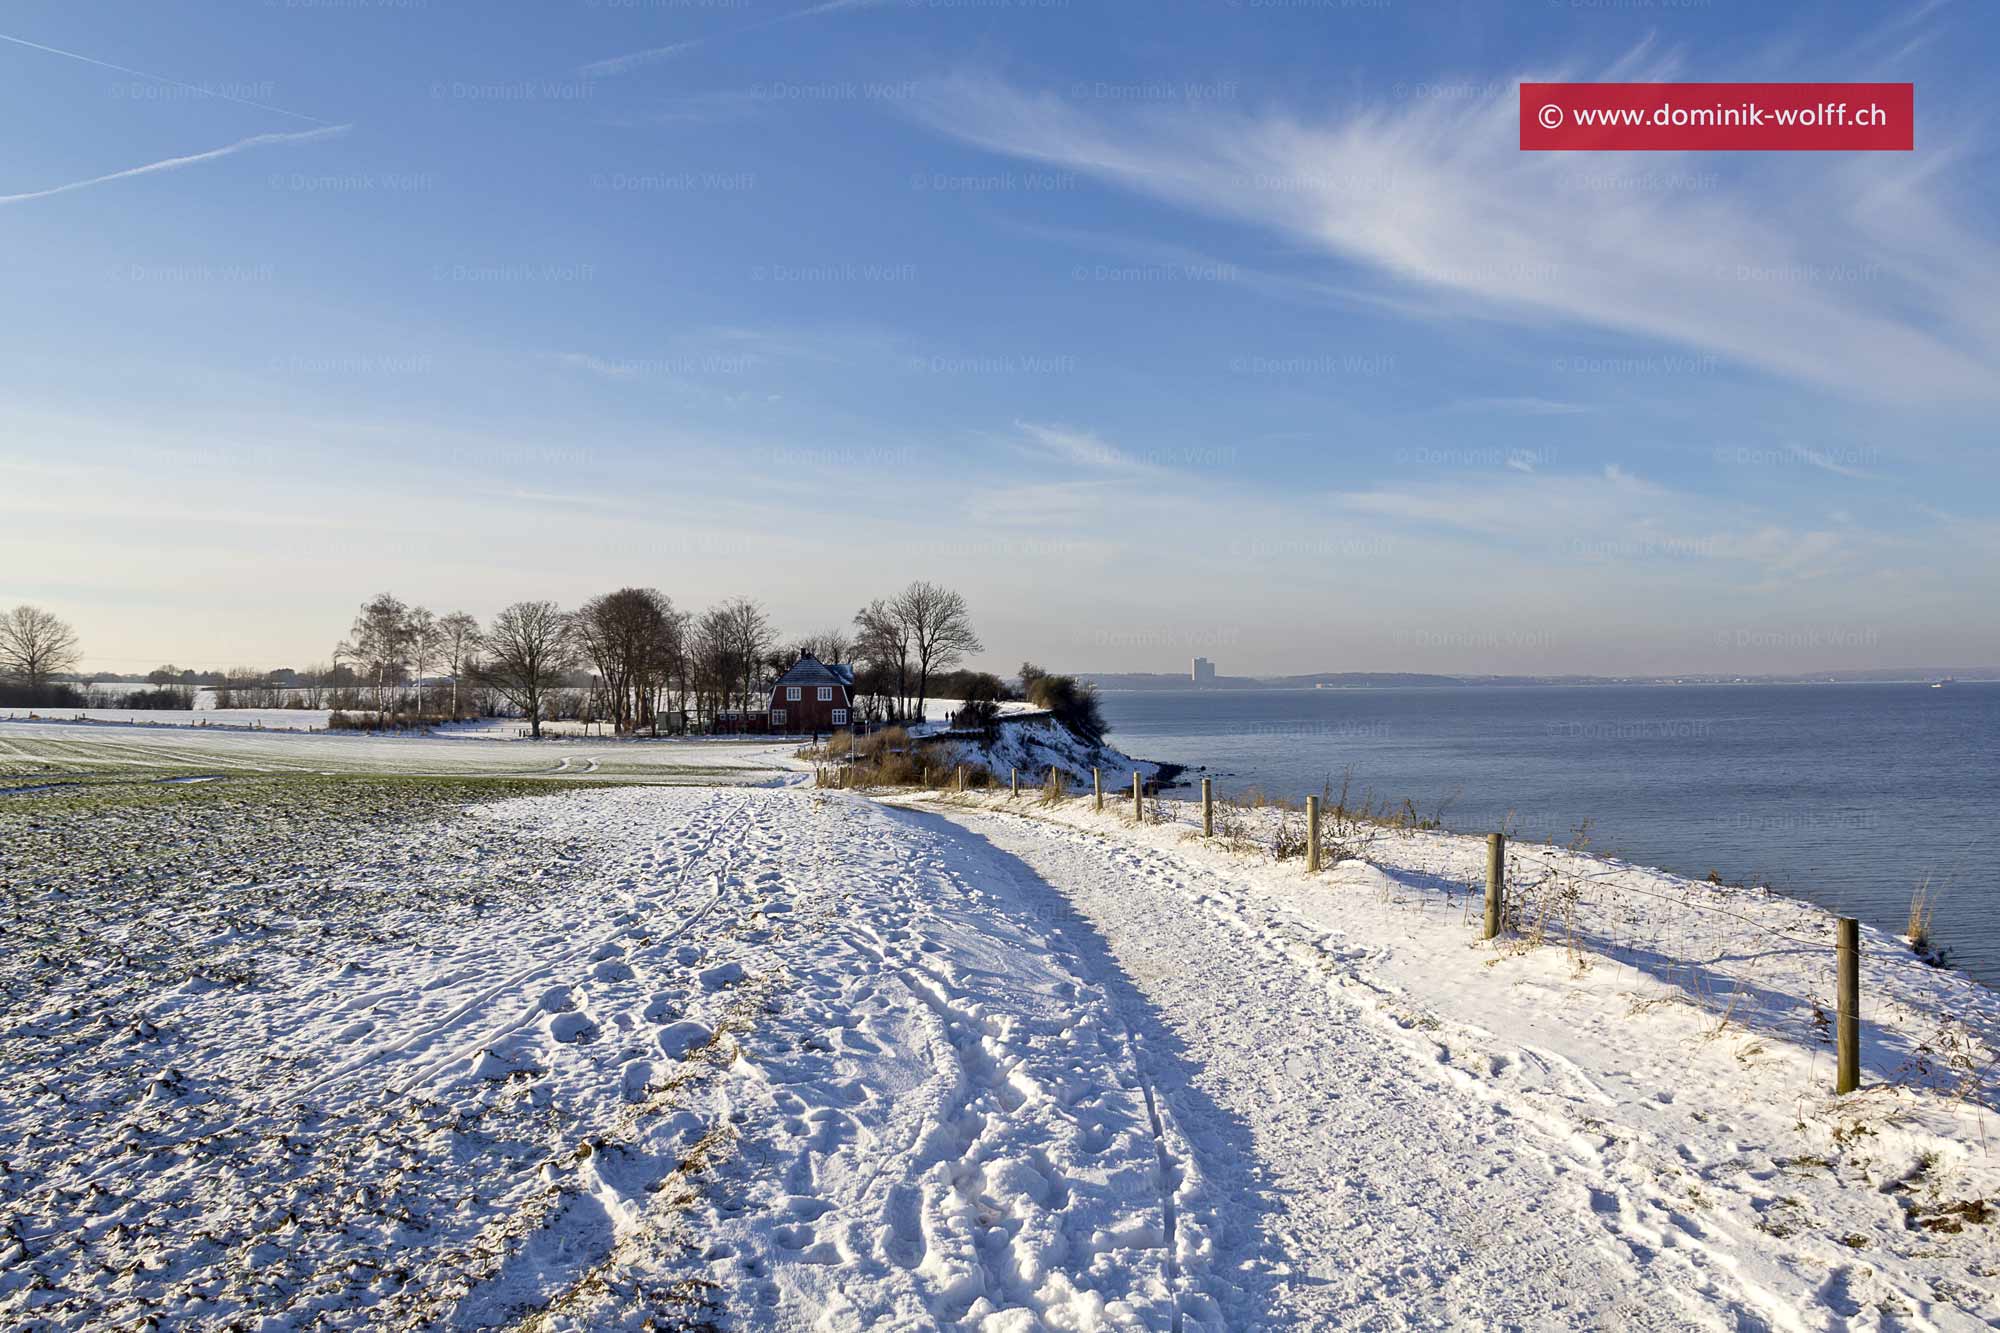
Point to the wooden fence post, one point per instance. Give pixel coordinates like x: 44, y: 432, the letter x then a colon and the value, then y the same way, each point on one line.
x: 1847, y: 1000
x: 1312, y: 835
x: 1496, y: 881
x: 1013, y: 783
x: 958, y: 778
x: 1207, y: 809
x: 1138, y: 798
x: 1097, y: 785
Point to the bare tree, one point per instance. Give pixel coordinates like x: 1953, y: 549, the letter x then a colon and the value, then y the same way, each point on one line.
x: 660, y: 653
x: 458, y: 644
x: 882, y: 640
x: 528, y: 651
x: 750, y: 639
x: 831, y: 646
x: 378, y: 644
x: 677, y: 668
x: 939, y: 628
x: 630, y: 638
x: 420, y: 634
x: 712, y: 662
x: 312, y: 686
x: 36, y: 646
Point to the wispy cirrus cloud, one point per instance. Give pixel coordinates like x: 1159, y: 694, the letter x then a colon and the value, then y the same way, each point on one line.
x: 598, y: 365
x: 1612, y: 518
x: 1829, y: 463
x: 1522, y: 406
x: 1073, y: 447
x: 1852, y: 277
x: 176, y: 163
x: 625, y: 64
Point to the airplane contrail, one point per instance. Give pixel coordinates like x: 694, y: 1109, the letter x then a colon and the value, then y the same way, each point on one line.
x: 159, y: 78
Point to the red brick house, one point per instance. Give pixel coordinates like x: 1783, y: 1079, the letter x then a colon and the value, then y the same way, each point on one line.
x: 812, y: 698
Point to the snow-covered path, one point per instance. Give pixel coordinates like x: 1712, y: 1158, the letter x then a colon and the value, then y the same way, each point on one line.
x: 1346, y: 1184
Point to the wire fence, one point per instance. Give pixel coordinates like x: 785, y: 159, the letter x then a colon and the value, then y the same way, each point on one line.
x: 1752, y: 964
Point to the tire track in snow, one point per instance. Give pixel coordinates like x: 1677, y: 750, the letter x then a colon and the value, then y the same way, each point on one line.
x: 1170, y: 1220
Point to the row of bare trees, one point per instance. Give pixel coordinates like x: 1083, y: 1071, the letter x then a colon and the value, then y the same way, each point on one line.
x: 632, y: 659
x: 628, y: 657
x: 391, y: 642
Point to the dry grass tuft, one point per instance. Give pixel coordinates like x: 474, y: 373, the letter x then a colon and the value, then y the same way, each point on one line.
x: 1923, y: 908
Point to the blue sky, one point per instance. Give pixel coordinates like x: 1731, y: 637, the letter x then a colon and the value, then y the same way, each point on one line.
x: 1241, y: 329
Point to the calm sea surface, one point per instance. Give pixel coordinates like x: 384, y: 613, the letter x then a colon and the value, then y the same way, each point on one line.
x: 1848, y: 795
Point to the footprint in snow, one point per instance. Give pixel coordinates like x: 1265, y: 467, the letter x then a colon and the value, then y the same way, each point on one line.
x: 571, y: 1027
x: 677, y: 1039
x: 498, y: 1065
x: 636, y: 1080
x: 806, y: 1208
x: 724, y: 974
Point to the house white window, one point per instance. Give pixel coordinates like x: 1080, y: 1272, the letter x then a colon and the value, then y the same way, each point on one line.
x: 777, y: 717
x: 840, y: 717
x: 792, y: 693
x: 826, y: 694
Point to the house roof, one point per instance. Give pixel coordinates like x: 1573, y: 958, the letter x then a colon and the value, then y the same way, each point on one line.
x: 809, y: 670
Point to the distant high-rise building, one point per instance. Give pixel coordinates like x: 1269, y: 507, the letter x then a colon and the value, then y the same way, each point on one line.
x: 1204, y: 671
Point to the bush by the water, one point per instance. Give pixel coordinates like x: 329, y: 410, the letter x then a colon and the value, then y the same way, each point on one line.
x: 165, y: 698
x: 1073, y: 701
x: 339, y: 721
x: 42, y: 696
x: 888, y: 758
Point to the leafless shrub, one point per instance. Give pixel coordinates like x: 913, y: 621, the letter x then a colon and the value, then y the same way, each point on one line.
x: 1552, y: 902
x: 1288, y: 836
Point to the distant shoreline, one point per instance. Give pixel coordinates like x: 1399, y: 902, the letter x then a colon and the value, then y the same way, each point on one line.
x: 1128, y: 684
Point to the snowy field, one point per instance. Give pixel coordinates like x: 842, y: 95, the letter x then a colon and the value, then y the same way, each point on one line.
x: 269, y: 719
x: 480, y: 1052
x: 36, y: 752
x: 206, y: 716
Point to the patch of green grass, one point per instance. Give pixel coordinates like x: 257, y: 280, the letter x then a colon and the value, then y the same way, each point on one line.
x: 136, y: 859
